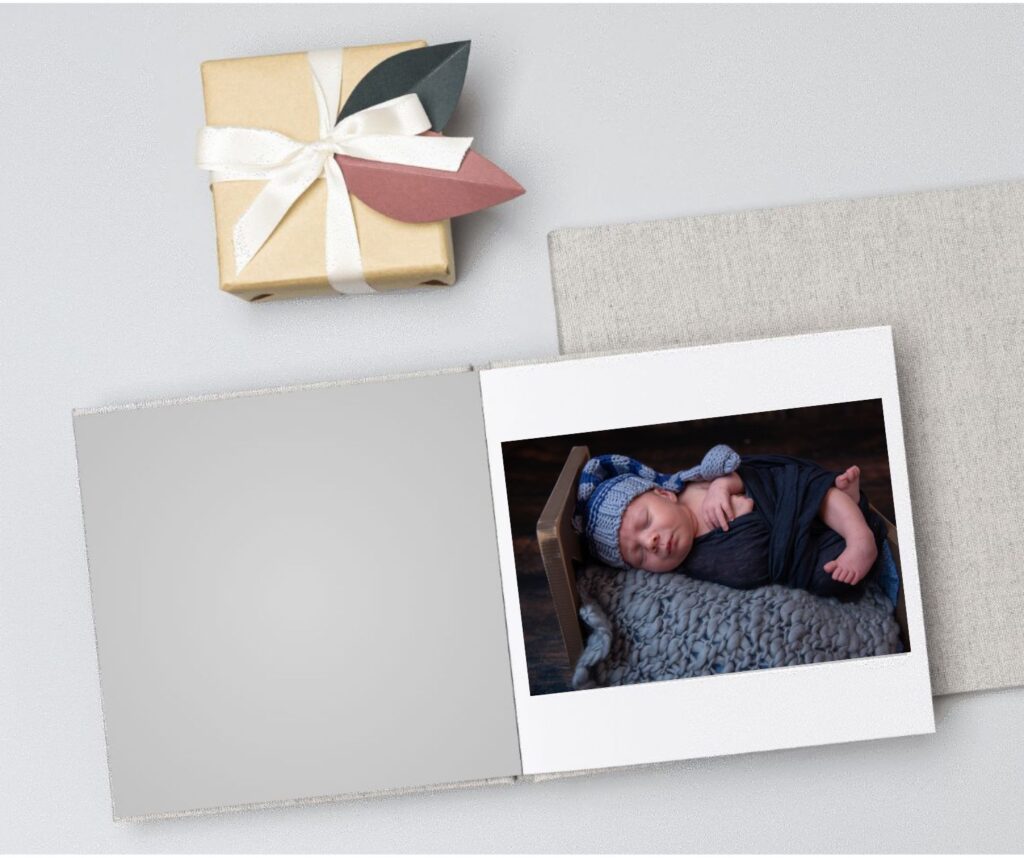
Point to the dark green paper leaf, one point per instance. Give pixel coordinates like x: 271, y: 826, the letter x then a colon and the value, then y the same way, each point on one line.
x: 434, y: 73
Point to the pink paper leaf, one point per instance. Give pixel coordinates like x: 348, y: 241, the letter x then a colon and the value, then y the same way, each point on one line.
x: 419, y: 195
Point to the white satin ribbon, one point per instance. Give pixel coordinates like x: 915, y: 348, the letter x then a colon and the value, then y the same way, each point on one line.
x: 384, y: 132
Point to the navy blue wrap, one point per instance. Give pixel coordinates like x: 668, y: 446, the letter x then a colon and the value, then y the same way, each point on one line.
x: 783, y: 541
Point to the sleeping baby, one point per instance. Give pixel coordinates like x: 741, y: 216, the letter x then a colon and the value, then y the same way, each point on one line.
x: 740, y: 521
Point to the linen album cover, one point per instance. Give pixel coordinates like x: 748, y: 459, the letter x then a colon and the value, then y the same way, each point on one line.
x: 944, y: 269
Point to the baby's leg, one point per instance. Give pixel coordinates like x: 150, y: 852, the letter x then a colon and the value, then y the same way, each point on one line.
x: 849, y: 483
x: 842, y: 514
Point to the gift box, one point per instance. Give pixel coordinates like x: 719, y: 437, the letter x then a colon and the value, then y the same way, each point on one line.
x: 252, y: 102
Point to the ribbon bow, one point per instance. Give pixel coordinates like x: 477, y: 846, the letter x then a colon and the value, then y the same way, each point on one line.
x: 384, y: 132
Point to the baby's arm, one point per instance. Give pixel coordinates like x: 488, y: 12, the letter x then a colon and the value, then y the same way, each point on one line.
x: 716, y: 508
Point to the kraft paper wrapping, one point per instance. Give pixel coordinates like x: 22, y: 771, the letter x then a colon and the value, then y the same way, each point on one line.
x: 276, y: 92
x: 945, y: 269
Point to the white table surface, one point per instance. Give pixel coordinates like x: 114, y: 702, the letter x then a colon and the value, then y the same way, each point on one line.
x: 605, y: 114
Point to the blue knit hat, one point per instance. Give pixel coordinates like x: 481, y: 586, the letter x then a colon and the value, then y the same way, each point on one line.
x: 609, y: 483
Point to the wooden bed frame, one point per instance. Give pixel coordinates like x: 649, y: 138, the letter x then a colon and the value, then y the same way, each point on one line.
x: 561, y: 551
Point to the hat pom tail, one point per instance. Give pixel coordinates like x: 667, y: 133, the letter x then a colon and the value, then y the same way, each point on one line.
x: 719, y: 461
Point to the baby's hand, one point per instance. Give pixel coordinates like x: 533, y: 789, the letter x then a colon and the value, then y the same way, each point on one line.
x: 716, y: 508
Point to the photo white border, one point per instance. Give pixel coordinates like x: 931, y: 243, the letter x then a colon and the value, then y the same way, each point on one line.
x: 756, y: 710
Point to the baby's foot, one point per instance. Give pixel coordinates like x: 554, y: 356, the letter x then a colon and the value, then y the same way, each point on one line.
x: 856, y: 561
x: 849, y: 481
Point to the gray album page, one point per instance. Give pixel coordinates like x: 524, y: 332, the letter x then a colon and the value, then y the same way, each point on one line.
x: 945, y: 269
x: 296, y: 594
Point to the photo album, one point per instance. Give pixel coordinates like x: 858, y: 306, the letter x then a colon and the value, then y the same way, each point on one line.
x: 495, y: 575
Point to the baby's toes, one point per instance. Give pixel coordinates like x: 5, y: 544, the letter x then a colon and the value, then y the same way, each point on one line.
x: 831, y: 567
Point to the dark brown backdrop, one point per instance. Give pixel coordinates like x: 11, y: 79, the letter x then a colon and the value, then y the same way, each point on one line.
x: 835, y: 436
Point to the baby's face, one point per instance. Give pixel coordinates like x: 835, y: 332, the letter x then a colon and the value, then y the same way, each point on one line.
x: 657, y: 531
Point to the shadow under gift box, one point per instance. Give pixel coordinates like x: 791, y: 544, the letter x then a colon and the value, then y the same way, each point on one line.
x: 276, y: 93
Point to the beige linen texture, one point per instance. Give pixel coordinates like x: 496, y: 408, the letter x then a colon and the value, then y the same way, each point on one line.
x: 946, y: 270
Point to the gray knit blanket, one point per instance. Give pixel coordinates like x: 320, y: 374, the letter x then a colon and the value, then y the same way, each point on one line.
x: 647, y: 627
